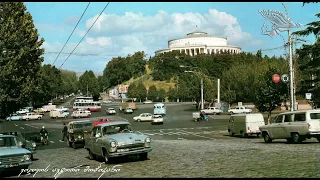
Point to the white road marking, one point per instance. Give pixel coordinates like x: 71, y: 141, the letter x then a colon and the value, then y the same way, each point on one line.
x: 181, y: 139
x: 32, y: 126
x: 139, y: 132
x: 161, y: 131
x: 201, y: 136
x: 51, y: 142
x: 21, y: 127
x: 148, y: 134
x: 15, y: 124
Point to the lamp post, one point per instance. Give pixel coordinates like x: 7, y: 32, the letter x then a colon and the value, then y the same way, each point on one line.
x: 281, y: 23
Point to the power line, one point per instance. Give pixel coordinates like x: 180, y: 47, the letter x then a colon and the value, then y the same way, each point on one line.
x: 71, y: 33
x: 85, y: 34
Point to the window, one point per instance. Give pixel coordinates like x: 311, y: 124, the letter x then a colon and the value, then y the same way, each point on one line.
x: 300, y: 117
x: 314, y: 115
x: 94, y: 131
x: 288, y: 118
x: 278, y: 119
x: 7, y: 142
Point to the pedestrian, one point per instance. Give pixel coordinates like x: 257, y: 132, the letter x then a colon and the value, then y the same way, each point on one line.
x: 64, y: 131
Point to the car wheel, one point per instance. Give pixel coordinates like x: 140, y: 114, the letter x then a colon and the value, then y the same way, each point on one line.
x: 318, y: 138
x: 231, y: 112
x: 143, y: 156
x: 259, y: 135
x: 74, y: 145
x: 139, y: 120
x: 267, y: 138
x: 91, y: 156
x: 106, y: 157
x: 296, y: 138
x: 244, y: 135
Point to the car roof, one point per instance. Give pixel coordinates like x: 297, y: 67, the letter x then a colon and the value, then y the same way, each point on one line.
x: 113, y: 123
x: 6, y: 135
x: 80, y: 121
x: 302, y: 111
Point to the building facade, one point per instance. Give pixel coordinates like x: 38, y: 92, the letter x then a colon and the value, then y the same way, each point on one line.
x: 198, y: 42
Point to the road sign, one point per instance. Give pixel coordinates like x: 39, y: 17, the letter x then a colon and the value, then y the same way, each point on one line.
x: 284, y: 78
x: 276, y: 78
x: 308, y: 96
x: 239, y: 103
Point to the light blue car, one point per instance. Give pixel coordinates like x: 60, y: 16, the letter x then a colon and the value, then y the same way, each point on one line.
x: 14, y: 117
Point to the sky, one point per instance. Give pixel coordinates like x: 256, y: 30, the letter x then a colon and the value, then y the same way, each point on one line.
x: 128, y: 27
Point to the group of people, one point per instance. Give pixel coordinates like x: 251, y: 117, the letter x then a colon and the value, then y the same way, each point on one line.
x: 44, y: 131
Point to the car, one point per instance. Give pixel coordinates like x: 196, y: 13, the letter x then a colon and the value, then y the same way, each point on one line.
x: 12, y: 156
x: 212, y: 110
x: 81, y: 113
x: 77, y: 130
x: 107, y: 101
x: 13, y: 117
x: 117, y: 139
x: 128, y: 110
x: 31, y: 116
x: 111, y: 111
x: 239, y: 110
x: 62, y: 108
x: 22, y: 142
x: 143, y: 117
x: 147, y: 102
x: 22, y: 111
x: 40, y: 111
x: 295, y: 126
x: 102, y: 121
x: 157, y: 119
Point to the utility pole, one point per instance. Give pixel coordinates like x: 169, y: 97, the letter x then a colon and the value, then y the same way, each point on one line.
x: 218, y: 95
x: 202, y: 103
x: 87, y: 90
x: 292, y: 100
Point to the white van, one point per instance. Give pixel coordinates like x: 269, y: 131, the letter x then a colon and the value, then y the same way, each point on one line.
x: 245, y: 124
x: 57, y: 113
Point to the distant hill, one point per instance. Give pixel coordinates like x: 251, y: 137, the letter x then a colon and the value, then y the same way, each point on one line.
x: 95, y: 73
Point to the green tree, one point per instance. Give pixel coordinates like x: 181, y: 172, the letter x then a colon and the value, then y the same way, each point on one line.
x: 132, y: 91
x: 141, y: 91
x: 172, y: 94
x: 20, y: 56
x: 69, y: 81
x: 88, y: 83
x: 161, y: 95
x: 152, y: 93
x: 269, y: 95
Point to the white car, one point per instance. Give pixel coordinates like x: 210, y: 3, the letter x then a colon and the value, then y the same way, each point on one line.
x: 80, y: 113
x: 239, y: 110
x: 157, y: 119
x: 128, y: 111
x: 147, y: 102
x: 143, y: 117
x: 22, y: 111
x: 31, y: 116
x: 111, y: 111
x: 212, y: 110
x: 62, y: 108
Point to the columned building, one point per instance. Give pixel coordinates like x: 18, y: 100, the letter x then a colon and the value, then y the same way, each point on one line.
x: 198, y: 42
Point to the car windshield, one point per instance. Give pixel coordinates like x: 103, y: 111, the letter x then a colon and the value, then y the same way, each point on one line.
x: 114, y: 129
x: 111, y: 108
x: 157, y: 116
x: 82, y: 125
x: 7, y: 141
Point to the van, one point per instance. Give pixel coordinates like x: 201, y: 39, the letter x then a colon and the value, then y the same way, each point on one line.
x: 245, y: 124
x: 56, y: 113
x: 295, y: 126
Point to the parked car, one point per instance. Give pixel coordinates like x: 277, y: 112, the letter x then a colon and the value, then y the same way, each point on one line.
x: 13, y: 117
x: 245, y: 124
x: 147, y: 102
x: 116, y: 139
x: 31, y: 116
x: 111, y: 111
x: 295, y: 126
x: 11, y: 155
x: 128, y: 111
x: 157, y: 119
x: 22, y: 111
x: 212, y: 110
x: 143, y: 117
x: 102, y: 121
x: 239, y: 110
x: 22, y: 142
x: 77, y: 130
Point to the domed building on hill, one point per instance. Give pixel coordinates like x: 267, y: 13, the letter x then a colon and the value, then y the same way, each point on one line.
x: 198, y: 42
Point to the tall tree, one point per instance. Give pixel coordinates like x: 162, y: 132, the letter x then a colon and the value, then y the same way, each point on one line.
x: 161, y: 95
x: 132, y: 91
x: 141, y: 91
x: 88, y: 84
x: 152, y: 93
x: 20, y: 56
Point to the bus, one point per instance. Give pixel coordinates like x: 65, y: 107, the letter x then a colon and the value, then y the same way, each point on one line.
x: 159, y: 109
x: 92, y: 106
x: 84, y: 99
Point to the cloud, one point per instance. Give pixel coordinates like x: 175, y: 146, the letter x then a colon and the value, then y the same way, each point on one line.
x: 120, y: 35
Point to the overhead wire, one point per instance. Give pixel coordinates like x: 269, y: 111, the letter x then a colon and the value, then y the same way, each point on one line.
x: 71, y: 33
x: 84, y: 35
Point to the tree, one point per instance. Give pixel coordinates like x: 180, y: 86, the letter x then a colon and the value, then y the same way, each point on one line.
x: 141, y: 91
x: 88, y: 84
x: 269, y: 95
x: 69, y: 81
x: 20, y: 56
x: 152, y: 93
x: 172, y: 94
x: 161, y: 95
x: 132, y: 91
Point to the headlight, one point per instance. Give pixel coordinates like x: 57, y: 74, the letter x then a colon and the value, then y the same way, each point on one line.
x: 34, y: 144
x: 113, y: 144
x: 26, y: 157
x: 20, y: 144
x: 80, y: 137
x: 148, y: 140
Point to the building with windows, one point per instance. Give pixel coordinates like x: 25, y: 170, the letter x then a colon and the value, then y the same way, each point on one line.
x: 198, y: 42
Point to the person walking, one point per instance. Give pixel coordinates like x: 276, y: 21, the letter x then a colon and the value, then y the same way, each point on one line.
x: 64, y: 131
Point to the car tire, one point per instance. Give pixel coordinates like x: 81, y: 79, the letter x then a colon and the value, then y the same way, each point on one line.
x: 296, y: 138
x: 244, y: 135
x: 105, y: 156
x: 74, y: 145
x: 259, y: 135
x: 139, y: 120
x: 143, y: 156
x: 91, y: 156
x: 267, y: 138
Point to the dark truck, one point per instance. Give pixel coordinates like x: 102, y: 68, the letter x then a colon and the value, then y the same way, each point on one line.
x: 77, y: 132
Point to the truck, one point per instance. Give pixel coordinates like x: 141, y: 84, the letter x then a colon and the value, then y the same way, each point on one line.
x: 49, y: 107
x: 123, y: 106
x: 245, y: 124
x: 58, y: 113
x: 31, y: 116
x: 239, y: 110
